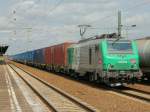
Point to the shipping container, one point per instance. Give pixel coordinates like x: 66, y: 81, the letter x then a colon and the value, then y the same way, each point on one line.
x: 60, y: 54
x: 52, y: 54
x: 56, y: 55
x: 47, y: 56
x: 39, y: 56
x: 29, y: 56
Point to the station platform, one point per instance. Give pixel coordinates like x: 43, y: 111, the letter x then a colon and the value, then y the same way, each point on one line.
x: 15, y: 95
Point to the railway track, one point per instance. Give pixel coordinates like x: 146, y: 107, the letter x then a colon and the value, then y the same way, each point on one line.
x: 11, y: 97
x: 137, y: 94
x: 139, y: 90
x: 55, y: 99
x: 134, y: 93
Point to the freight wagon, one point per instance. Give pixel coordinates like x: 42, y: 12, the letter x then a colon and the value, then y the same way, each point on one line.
x: 52, y: 58
x: 144, y: 54
x: 26, y: 57
x: 38, y: 58
x: 56, y: 57
x: 113, y: 62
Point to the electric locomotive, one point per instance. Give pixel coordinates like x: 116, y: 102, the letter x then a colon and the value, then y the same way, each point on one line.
x: 113, y: 62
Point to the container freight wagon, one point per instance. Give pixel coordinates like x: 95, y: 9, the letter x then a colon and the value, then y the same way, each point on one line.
x: 29, y: 57
x: 21, y: 58
x: 48, y: 58
x: 38, y: 58
x: 56, y: 57
x: 144, y: 54
x: 26, y: 57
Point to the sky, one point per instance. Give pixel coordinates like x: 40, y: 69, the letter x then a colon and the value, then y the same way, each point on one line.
x: 32, y: 24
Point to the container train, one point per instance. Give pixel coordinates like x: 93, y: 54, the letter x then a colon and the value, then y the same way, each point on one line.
x: 107, y: 60
x: 144, y: 54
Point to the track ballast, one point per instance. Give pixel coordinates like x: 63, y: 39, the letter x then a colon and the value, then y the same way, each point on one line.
x: 55, y: 98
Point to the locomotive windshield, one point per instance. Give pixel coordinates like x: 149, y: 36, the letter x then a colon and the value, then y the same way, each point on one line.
x: 120, y: 46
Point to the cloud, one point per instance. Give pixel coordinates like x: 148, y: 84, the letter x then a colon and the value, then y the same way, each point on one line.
x: 54, y: 25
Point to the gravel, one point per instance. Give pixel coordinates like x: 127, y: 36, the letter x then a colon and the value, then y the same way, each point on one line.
x: 97, y: 97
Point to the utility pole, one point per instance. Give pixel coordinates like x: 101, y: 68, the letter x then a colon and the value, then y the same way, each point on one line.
x: 29, y: 30
x: 83, y: 29
x: 119, y: 24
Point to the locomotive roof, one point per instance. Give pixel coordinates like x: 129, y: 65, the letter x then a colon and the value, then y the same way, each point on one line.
x: 103, y: 36
x: 113, y: 39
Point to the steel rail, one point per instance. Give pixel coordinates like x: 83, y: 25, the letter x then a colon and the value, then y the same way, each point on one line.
x: 78, y: 102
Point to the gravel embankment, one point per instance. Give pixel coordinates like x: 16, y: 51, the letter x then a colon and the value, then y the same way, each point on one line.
x: 97, y: 97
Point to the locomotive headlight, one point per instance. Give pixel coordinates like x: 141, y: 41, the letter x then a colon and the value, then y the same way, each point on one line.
x: 133, y: 61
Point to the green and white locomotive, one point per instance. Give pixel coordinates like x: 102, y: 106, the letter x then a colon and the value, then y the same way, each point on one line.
x: 113, y: 62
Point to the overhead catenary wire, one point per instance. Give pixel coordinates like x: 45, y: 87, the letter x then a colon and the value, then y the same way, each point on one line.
x: 103, y: 28
x: 124, y: 10
x: 131, y: 9
x: 12, y: 17
x: 56, y: 6
x: 103, y: 19
x: 106, y: 18
x: 137, y: 5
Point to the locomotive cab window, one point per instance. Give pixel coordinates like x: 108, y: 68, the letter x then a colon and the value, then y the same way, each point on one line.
x: 119, y: 47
